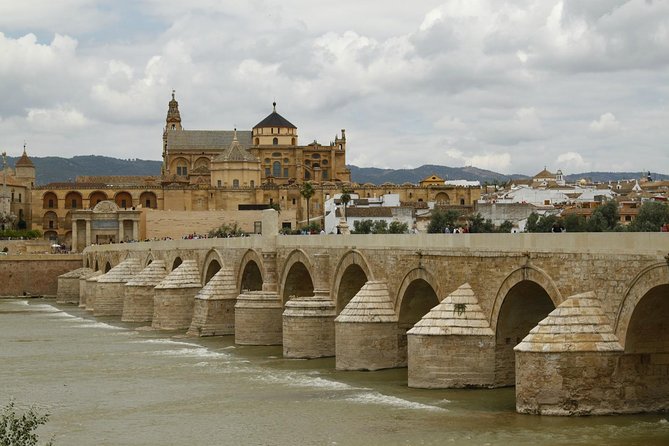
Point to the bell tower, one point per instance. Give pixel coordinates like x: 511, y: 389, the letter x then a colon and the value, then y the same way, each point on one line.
x: 172, y: 123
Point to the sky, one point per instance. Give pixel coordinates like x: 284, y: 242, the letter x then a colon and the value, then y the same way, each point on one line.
x: 510, y: 86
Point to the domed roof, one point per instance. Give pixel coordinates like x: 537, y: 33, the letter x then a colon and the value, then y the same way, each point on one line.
x: 274, y: 120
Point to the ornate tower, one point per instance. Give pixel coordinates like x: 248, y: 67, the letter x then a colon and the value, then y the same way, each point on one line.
x: 25, y: 169
x: 172, y: 123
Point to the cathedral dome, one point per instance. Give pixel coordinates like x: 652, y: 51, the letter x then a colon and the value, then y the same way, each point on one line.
x: 274, y: 120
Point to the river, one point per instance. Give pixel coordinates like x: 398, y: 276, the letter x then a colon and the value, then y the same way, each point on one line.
x: 105, y: 382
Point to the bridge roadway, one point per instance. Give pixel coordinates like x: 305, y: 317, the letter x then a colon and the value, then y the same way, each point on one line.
x: 578, y: 322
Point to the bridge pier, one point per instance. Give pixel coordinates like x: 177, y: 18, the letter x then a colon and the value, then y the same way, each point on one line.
x: 568, y: 364
x: 308, y: 321
x: 214, y: 310
x: 89, y: 290
x: 258, y: 318
x: 68, y: 286
x: 452, y: 345
x: 110, y: 289
x: 366, y: 331
x: 174, y: 296
x: 139, y: 293
x: 308, y: 327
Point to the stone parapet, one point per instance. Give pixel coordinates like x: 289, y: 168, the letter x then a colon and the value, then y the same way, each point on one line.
x: 214, y: 307
x: 308, y: 327
x: 139, y: 293
x: 452, y: 345
x: 258, y: 318
x: 174, y: 297
x: 366, y: 331
x: 567, y: 364
x: 68, y: 286
x: 110, y: 290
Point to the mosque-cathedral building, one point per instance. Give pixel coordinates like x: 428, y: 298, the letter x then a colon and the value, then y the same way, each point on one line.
x: 207, y: 177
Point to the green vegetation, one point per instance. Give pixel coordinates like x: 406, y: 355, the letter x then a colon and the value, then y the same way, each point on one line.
x: 345, y: 199
x: 21, y: 233
x: 19, y: 430
x: 379, y: 227
x: 307, y: 191
x: 226, y: 230
x: 442, y: 219
x: 312, y: 228
x: 605, y: 218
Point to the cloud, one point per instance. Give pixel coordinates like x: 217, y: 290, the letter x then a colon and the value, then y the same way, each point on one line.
x: 605, y: 124
x: 499, y: 162
x: 571, y: 162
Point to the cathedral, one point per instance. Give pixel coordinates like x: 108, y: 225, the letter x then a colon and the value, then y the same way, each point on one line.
x: 207, y: 177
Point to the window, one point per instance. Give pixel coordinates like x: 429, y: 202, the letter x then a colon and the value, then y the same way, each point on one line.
x: 267, y: 172
x: 276, y: 154
x: 292, y: 141
x: 252, y: 183
x: 174, y: 127
x: 275, y: 141
x: 148, y: 203
x: 50, y: 203
x: 182, y: 170
x: 293, y: 201
x: 267, y: 160
x: 218, y: 183
x: 316, y: 156
x: 286, y: 161
x: 19, y: 198
x: 462, y: 201
x: 257, y: 141
x: 276, y: 169
x: 326, y: 176
x: 285, y: 172
x: 74, y: 203
x: 123, y: 204
x: 324, y: 162
x: 50, y: 224
x: 12, y: 195
x: 235, y: 183
x: 307, y: 175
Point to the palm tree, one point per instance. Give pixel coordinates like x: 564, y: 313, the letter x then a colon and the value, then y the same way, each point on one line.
x: 307, y: 191
x: 345, y: 199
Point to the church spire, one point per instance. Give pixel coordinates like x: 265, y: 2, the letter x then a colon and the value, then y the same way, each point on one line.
x: 173, y: 121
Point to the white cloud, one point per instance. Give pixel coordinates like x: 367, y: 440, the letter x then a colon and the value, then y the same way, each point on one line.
x: 571, y: 162
x: 508, y: 83
x: 606, y: 123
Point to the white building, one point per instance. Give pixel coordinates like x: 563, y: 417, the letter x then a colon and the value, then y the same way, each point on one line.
x: 384, y: 208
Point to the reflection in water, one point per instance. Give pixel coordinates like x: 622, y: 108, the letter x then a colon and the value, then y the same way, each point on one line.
x: 110, y: 383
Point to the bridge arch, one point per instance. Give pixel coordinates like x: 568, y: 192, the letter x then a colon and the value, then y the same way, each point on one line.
x: 148, y: 260
x: 176, y: 262
x: 647, y: 283
x: 297, y: 276
x: 417, y: 295
x: 351, y: 274
x: 213, y: 262
x: 526, y: 296
x: 250, y: 276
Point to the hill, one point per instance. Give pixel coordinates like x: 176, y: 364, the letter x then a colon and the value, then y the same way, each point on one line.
x: 56, y: 169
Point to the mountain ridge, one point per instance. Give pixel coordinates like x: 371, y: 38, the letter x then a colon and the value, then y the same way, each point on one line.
x: 53, y: 169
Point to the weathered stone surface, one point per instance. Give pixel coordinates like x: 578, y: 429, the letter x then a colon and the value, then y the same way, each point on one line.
x: 139, y: 292
x: 452, y: 345
x: 110, y: 289
x: 258, y: 318
x: 308, y: 327
x: 567, y: 364
x: 34, y: 274
x: 174, y: 297
x: 90, y: 290
x: 366, y: 332
x: 68, y: 286
x: 214, y: 310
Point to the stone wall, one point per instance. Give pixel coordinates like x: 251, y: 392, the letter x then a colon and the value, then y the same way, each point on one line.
x: 35, y: 275
x: 158, y: 224
x: 15, y: 247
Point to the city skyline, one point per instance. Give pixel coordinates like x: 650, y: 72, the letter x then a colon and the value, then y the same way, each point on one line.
x: 509, y: 87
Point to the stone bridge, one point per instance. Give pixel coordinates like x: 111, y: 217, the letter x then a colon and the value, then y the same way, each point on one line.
x: 578, y: 322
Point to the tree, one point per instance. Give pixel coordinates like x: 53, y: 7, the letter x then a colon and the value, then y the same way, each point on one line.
x: 396, y: 227
x: 442, y: 219
x: 362, y: 226
x: 574, y: 223
x: 307, y: 191
x: 505, y: 227
x: 596, y: 223
x: 609, y: 211
x: 18, y: 430
x: 531, y: 225
x: 345, y: 198
x: 380, y: 227
x: 652, y: 216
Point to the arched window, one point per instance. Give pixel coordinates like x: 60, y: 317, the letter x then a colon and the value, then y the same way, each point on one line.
x: 275, y: 141
x: 182, y: 168
x: 276, y: 169
x: 235, y: 183
x: 257, y: 141
x: 253, y: 183
x: 292, y: 141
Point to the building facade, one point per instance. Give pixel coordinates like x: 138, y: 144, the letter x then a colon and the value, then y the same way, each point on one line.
x: 225, y: 170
